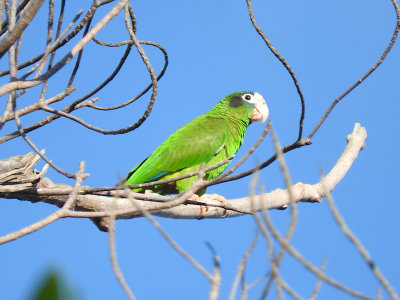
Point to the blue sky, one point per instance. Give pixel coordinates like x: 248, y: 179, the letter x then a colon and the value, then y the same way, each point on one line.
x: 213, y: 51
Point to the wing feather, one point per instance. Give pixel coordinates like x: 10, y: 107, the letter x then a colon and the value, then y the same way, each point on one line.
x: 191, y: 145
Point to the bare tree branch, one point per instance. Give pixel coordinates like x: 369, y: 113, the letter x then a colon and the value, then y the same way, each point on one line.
x: 172, y: 242
x: 22, y: 84
x: 307, y: 264
x: 105, y: 205
x: 100, y: 206
x: 369, y: 72
x: 77, y: 29
x: 116, y: 70
x: 216, y: 278
x: 284, y: 63
x: 80, y: 176
x: 319, y: 282
x: 359, y: 246
x: 293, y: 212
x: 241, y: 267
x: 26, y: 17
x: 114, y: 260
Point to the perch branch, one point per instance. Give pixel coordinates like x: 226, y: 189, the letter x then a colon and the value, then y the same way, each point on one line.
x: 90, y: 206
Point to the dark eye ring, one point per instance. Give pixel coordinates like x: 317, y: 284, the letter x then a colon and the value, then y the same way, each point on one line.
x: 247, y: 97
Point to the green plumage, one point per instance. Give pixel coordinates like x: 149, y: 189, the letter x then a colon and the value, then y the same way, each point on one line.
x: 209, y: 139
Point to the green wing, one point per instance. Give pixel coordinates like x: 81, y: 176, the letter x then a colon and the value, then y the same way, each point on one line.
x: 196, y: 142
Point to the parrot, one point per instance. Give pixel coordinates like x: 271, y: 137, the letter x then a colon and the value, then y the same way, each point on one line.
x: 209, y: 139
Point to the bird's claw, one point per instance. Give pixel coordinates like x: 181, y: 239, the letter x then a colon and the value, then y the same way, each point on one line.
x: 220, y: 199
x: 203, y: 208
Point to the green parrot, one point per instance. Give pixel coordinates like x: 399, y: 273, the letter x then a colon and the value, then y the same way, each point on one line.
x: 209, y: 139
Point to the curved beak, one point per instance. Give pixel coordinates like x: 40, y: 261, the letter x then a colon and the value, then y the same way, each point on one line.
x: 261, y: 110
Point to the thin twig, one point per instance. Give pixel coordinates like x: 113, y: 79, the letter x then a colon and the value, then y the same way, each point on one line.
x: 4, y: 25
x: 53, y: 49
x: 108, y: 79
x: 274, y: 268
x: 142, y: 92
x: 293, y: 207
x: 33, y: 146
x: 79, y: 56
x: 319, y: 282
x: 48, y: 43
x: 78, y: 104
x: 173, y: 244
x: 216, y: 282
x: 22, y: 84
x: 289, y: 290
x: 241, y: 267
x: 75, y: 31
x: 26, y: 17
x: 62, y: 212
x: 369, y: 72
x: 284, y: 63
x: 114, y: 260
x: 267, y: 237
x: 148, y: 66
x: 359, y: 246
x: 295, y: 254
x: 285, y: 149
x: 37, y: 106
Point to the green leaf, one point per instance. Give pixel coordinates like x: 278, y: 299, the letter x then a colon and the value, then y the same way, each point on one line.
x: 53, y: 287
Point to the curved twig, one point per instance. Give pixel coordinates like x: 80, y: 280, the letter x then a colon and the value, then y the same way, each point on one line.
x: 22, y: 84
x: 284, y: 63
x: 372, y: 69
x: 285, y: 149
x: 147, y: 88
x: 77, y: 29
x: 108, y: 79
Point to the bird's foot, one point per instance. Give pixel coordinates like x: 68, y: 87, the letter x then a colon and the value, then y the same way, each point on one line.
x: 218, y: 198
x: 146, y: 192
x: 283, y: 207
x: 203, y: 209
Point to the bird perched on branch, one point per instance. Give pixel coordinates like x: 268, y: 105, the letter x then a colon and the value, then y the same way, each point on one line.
x: 208, y: 139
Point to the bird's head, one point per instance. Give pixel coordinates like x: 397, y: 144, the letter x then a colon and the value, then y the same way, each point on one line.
x: 247, y: 104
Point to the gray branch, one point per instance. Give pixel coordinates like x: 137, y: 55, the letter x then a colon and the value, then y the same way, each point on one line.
x: 18, y: 180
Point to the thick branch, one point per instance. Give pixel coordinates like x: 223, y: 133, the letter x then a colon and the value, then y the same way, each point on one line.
x: 24, y: 186
x: 26, y: 17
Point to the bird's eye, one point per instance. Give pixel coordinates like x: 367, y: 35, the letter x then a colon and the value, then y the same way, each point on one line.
x: 247, y: 97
